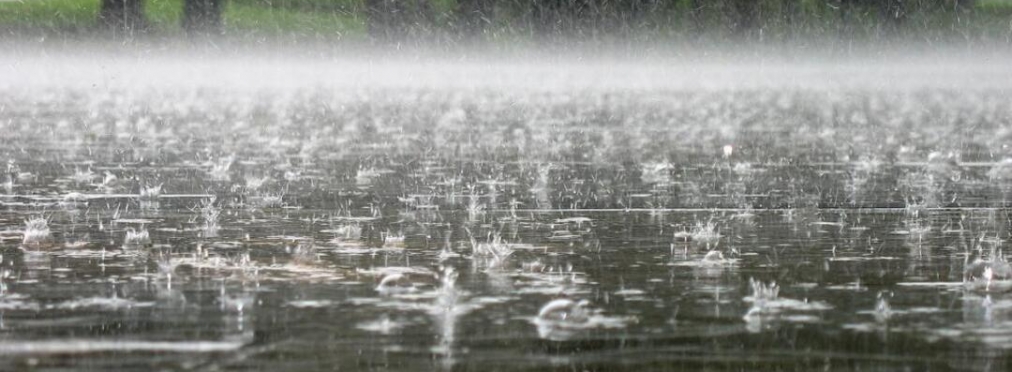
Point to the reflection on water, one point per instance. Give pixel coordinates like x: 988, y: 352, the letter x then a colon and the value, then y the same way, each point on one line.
x: 435, y: 228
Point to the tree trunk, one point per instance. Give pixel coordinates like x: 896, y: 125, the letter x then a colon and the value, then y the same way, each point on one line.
x: 846, y: 10
x: 892, y: 13
x: 398, y: 20
x: 475, y: 16
x: 790, y: 9
x: 122, y: 15
x: 203, y: 16
x: 745, y: 15
x: 696, y: 15
x: 965, y: 5
x: 629, y: 16
x: 548, y: 17
x: 380, y: 18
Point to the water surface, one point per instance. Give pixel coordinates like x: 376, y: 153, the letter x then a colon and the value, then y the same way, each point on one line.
x: 338, y: 215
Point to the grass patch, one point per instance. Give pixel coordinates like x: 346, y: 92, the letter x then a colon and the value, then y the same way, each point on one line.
x: 325, y: 6
x: 994, y: 4
x: 342, y: 19
x: 255, y: 20
x: 54, y: 15
x: 164, y: 15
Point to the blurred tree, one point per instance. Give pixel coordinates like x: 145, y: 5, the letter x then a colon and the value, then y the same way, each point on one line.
x: 203, y: 16
x: 629, y: 16
x: 545, y: 16
x: 474, y: 16
x: 892, y: 12
x: 886, y: 15
x: 790, y: 9
x: 695, y: 13
x: 122, y: 15
x: 554, y: 18
x: 744, y: 16
x: 381, y: 15
x: 392, y: 20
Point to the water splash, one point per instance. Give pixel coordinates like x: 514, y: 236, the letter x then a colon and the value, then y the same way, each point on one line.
x: 36, y: 230
x: 564, y: 319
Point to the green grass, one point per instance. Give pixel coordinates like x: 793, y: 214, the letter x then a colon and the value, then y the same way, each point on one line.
x: 342, y: 19
x: 164, y: 16
x: 325, y: 6
x: 257, y: 20
x: 67, y: 15
x: 994, y: 4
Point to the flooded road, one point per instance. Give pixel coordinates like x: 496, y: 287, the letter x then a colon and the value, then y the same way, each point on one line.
x: 479, y: 216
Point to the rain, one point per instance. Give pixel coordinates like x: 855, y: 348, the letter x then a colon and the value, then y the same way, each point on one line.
x: 505, y: 184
